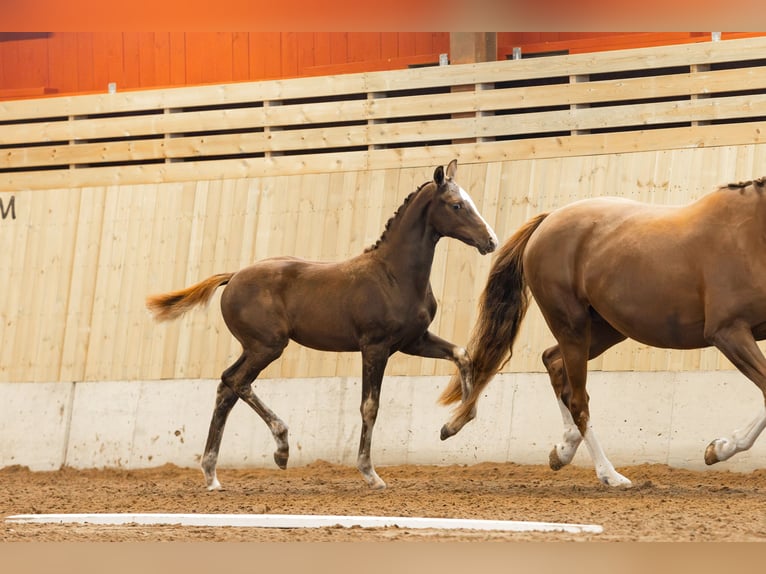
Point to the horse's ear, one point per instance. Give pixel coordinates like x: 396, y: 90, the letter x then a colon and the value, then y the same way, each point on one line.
x: 439, y: 175
x: 452, y: 169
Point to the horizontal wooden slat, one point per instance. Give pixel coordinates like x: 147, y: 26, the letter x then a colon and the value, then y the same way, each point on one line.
x: 564, y: 146
x: 379, y: 133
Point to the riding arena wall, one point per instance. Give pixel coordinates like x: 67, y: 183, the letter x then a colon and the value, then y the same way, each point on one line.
x: 107, y: 198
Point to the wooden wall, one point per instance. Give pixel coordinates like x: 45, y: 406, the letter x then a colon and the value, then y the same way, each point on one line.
x: 67, y: 62
x: 83, y: 243
x: 79, y: 262
x: 50, y: 63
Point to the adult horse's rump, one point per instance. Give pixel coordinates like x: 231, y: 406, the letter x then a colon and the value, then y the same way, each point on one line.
x: 378, y: 302
x: 603, y: 270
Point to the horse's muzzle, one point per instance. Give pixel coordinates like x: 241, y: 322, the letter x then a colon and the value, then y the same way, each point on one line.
x: 488, y: 247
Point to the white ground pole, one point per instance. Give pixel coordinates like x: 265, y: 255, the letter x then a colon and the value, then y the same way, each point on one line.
x: 301, y: 521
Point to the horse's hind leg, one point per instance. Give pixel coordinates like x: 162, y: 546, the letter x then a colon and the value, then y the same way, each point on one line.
x: 236, y: 383
x: 563, y: 452
x: 224, y: 402
x: 567, y: 366
x: 738, y: 345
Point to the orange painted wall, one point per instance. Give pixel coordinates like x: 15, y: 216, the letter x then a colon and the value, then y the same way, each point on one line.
x: 37, y: 64
x: 65, y: 63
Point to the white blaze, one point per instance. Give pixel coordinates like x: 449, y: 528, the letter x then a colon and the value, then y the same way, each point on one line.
x: 468, y: 200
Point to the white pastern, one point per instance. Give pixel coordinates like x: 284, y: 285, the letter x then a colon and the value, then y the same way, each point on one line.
x: 604, y: 469
x: 741, y: 439
x: 572, y: 437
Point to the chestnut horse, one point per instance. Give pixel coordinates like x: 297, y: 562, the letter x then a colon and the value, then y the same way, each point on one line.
x: 603, y: 270
x: 378, y: 302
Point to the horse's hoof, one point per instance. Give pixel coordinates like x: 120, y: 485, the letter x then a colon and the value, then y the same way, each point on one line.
x: 711, y: 456
x: 378, y: 485
x: 616, y: 481
x: 281, y: 459
x: 554, y: 461
x: 446, y: 432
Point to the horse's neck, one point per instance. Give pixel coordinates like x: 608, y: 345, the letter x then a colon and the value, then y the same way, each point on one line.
x: 410, y: 246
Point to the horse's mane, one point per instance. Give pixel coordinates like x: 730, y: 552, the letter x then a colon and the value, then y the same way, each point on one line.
x: 396, y: 214
x: 759, y: 184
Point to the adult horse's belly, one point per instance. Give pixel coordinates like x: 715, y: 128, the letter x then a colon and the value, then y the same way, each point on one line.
x: 660, y: 307
x: 664, y: 326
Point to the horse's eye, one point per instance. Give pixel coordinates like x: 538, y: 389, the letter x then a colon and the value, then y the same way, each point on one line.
x: 457, y: 206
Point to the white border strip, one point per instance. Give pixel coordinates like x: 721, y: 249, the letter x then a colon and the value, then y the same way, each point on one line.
x: 301, y: 521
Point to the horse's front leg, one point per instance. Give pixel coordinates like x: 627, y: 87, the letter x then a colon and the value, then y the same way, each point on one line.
x: 433, y: 347
x: 374, y: 360
x: 738, y: 345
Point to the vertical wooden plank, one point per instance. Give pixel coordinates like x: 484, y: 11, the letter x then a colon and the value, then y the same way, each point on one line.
x: 12, y: 246
x: 206, y: 322
x: 164, y: 237
x: 32, y: 65
x: 6, y: 74
x: 146, y: 54
x: 99, y: 351
x: 84, y: 267
x: 226, y: 258
x: 107, y: 50
x: 289, y: 55
x: 84, y: 62
x: 29, y: 319
x: 240, y: 51
x: 147, y: 264
x: 305, y: 51
x: 177, y: 58
x: 21, y: 318
x: 220, y: 58
x: 407, y: 44
x: 62, y: 61
x: 196, y: 56
x: 363, y: 46
x: 176, y: 272
x: 255, y: 55
x: 13, y: 243
x: 338, y: 47
x: 191, y: 328
x: 129, y: 269
x: 158, y: 43
x: 389, y: 45
x: 115, y: 60
x: 272, y: 55
x: 423, y: 43
x: 56, y: 262
x: 131, y: 61
x: 322, y: 49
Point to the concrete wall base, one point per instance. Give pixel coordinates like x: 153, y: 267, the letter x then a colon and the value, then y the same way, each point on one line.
x: 647, y: 417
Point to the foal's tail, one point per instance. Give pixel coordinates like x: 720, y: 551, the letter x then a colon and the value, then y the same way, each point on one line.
x: 502, y: 307
x: 172, y: 305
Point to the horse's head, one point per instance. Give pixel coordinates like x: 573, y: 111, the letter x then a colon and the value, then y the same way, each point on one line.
x: 454, y: 214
